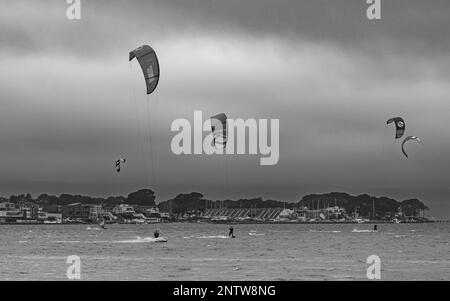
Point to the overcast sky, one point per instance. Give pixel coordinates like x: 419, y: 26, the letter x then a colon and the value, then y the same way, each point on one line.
x: 71, y: 103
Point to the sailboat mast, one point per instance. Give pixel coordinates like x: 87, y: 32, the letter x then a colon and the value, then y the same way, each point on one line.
x: 373, y: 208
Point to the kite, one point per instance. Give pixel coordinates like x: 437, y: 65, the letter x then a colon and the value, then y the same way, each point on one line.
x: 408, y: 139
x: 219, y: 130
x: 119, y: 162
x: 148, y: 60
x: 399, y: 126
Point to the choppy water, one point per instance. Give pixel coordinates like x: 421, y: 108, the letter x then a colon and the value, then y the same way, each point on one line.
x: 204, y: 252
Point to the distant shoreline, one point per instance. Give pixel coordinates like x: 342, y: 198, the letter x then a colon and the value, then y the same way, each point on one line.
x: 241, y: 223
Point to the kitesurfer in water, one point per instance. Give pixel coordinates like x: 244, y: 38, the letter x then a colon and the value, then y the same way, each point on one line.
x: 231, y: 234
x: 375, y: 228
x: 156, y: 233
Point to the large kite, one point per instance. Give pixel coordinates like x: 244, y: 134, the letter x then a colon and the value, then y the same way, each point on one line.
x: 148, y: 60
x: 399, y: 126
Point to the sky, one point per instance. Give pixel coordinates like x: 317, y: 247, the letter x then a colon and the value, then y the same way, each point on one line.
x: 72, y: 103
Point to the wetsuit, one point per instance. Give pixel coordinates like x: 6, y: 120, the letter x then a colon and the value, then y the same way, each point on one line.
x: 231, y: 234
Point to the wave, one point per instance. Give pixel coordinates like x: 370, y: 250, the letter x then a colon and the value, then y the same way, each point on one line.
x: 66, y: 241
x: 136, y: 240
x: 400, y: 236
x: 81, y: 242
x: 256, y: 234
x: 210, y: 236
x: 95, y: 229
x: 139, y: 239
x: 325, y: 231
x: 214, y: 236
x: 363, y: 231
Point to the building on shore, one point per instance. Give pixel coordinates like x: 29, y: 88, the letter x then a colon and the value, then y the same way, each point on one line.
x: 329, y: 213
x: 96, y: 211
x: 50, y: 218
x: 123, y: 209
x: 10, y: 212
x: 76, y: 211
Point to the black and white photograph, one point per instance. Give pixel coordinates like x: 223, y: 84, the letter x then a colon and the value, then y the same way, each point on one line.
x: 244, y: 141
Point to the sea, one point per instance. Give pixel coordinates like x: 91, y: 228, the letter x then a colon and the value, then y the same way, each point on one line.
x: 204, y: 251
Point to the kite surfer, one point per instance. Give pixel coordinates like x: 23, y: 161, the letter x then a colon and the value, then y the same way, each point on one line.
x: 231, y: 234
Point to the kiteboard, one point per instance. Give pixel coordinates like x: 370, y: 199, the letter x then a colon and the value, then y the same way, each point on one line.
x: 159, y: 239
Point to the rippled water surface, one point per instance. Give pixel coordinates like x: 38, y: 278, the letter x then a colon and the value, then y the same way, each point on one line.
x: 204, y: 252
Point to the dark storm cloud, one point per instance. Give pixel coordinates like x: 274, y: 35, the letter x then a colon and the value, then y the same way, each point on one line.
x: 332, y: 77
x: 405, y: 23
x: 412, y: 27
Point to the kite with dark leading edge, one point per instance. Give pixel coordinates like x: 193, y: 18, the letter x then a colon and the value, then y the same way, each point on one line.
x: 148, y: 60
x: 119, y: 162
x: 149, y: 63
x: 399, y: 126
x: 219, y: 130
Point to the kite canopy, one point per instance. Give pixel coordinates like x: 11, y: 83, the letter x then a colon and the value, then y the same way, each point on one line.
x: 219, y: 130
x: 119, y: 162
x: 399, y: 126
x: 408, y: 139
x: 148, y: 60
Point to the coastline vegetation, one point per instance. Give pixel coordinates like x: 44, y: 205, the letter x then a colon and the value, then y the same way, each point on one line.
x: 333, y: 206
